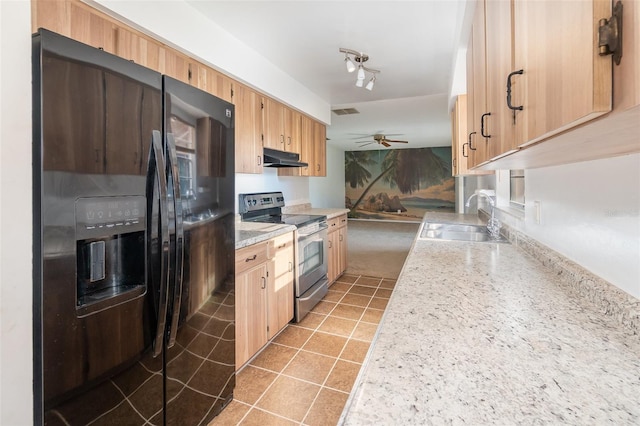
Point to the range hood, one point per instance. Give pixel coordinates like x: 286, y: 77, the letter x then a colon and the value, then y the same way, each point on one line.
x: 275, y: 158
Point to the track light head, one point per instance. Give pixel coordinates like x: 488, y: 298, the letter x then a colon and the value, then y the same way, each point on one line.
x: 359, y: 83
x: 371, y: 82
x: 351, y: 67
x: 360, y: 73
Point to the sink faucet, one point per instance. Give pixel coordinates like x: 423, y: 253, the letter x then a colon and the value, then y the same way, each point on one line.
x: 493, y: 226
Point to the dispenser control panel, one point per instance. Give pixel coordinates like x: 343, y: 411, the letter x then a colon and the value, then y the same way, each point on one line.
x: 100, y: 216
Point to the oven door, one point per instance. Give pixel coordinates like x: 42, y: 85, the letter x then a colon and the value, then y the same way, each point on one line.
x: 312, y: 256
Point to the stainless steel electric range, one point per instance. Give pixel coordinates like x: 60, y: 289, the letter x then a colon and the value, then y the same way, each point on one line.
x: 311, y: 283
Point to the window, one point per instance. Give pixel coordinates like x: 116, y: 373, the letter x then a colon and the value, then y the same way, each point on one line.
x: 516, y: 188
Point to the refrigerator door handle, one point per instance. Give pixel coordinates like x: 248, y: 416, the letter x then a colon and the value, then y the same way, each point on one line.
x: 157, y: 173
x: 178, y: 256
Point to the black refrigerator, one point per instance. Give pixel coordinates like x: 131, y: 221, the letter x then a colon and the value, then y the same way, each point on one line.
x: 134, y: 302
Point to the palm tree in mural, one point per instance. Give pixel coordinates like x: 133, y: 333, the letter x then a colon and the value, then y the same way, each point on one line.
x: 408, y: 169
x: 354, y: 167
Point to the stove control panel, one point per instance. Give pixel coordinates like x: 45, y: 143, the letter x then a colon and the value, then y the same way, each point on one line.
x: 260, y: 201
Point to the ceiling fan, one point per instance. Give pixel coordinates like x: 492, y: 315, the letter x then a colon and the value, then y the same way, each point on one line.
x: 380, y: 140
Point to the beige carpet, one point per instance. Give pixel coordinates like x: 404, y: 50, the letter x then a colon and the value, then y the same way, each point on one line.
x: 378, y: 248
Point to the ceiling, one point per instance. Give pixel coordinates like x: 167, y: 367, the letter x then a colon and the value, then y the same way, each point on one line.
x: 414, y: 44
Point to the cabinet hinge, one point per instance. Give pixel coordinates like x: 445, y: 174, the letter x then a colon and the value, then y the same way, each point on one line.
x: 189, y: 73
x: 610, y: 34
x: 232, y: 93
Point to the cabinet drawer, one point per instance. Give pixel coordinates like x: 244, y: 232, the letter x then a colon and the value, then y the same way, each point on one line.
x: 250, y: 256
x: 334, y: 223
x: 280, y: 243
x: 342, y: 220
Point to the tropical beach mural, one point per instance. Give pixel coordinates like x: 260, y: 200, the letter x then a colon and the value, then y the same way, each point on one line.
x: 398, y: 184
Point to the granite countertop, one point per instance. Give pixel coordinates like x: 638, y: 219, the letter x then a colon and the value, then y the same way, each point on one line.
x: 479, y: 333
x: 248, y: 233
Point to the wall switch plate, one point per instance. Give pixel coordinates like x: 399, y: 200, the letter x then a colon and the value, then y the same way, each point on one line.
x: 537, y: 212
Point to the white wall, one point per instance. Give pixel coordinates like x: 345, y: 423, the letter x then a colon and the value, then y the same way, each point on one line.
x: 328, y: 192
x: 16, y: 368
x: 590, y: 213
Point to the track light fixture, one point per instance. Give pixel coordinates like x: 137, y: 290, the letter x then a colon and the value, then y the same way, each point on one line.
x: 360, y: 58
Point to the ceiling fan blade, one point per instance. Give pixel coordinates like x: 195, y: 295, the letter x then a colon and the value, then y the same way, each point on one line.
x: 385, y: 144
x: 391, y: 140
x: 365, y: 144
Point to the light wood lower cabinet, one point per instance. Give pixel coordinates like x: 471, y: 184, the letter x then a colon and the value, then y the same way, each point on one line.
x: 338, y: 246
x: 264, y: 294
x: 279, y: 283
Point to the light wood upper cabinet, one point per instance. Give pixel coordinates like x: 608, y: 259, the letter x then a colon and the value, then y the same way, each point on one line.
x: 565, y: 81
x: 273, y: 125
x: 477, y: 73
x: 139, y: 49
x: 92, y: 29
x: 292, y: 128
x: 281, y: 127
x: 460, y: 140
x: 319, y: 149
x: 498, y: 125
x: 248, y: 125
x: 151, y: 54
x: 74, y: 20
x: 212, y: 81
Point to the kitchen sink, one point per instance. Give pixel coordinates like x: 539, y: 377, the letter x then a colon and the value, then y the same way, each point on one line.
x: 458, y: 232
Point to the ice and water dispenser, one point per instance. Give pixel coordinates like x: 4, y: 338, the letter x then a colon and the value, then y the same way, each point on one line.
x: 110, y: 251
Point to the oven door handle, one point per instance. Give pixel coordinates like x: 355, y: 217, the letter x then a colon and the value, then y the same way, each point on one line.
x: 315, y: 240
x: 320, y: 228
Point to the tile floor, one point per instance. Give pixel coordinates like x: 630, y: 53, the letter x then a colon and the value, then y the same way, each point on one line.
x: 304, y: 376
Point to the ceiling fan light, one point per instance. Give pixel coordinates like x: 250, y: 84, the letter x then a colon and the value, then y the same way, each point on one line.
x: 371, y: 82
x: 360, y: 74
x: 359, y: 83
x: 351, y: 67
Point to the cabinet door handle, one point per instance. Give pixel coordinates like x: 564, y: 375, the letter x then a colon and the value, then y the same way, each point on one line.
x: 465, y: 154
x: 341, y: 237
x: 289, y: 140
x: 259, y: 160
x: 264, y: 282
x: 482, y: 124
x: 249, y: 259
x: 518, y: 108
x: 318, y: 167
x: 469, y: 142
x: 290, y: 267
x: 330, y: 244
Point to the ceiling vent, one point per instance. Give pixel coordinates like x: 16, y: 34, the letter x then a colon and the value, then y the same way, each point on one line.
x: 345, y: 111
